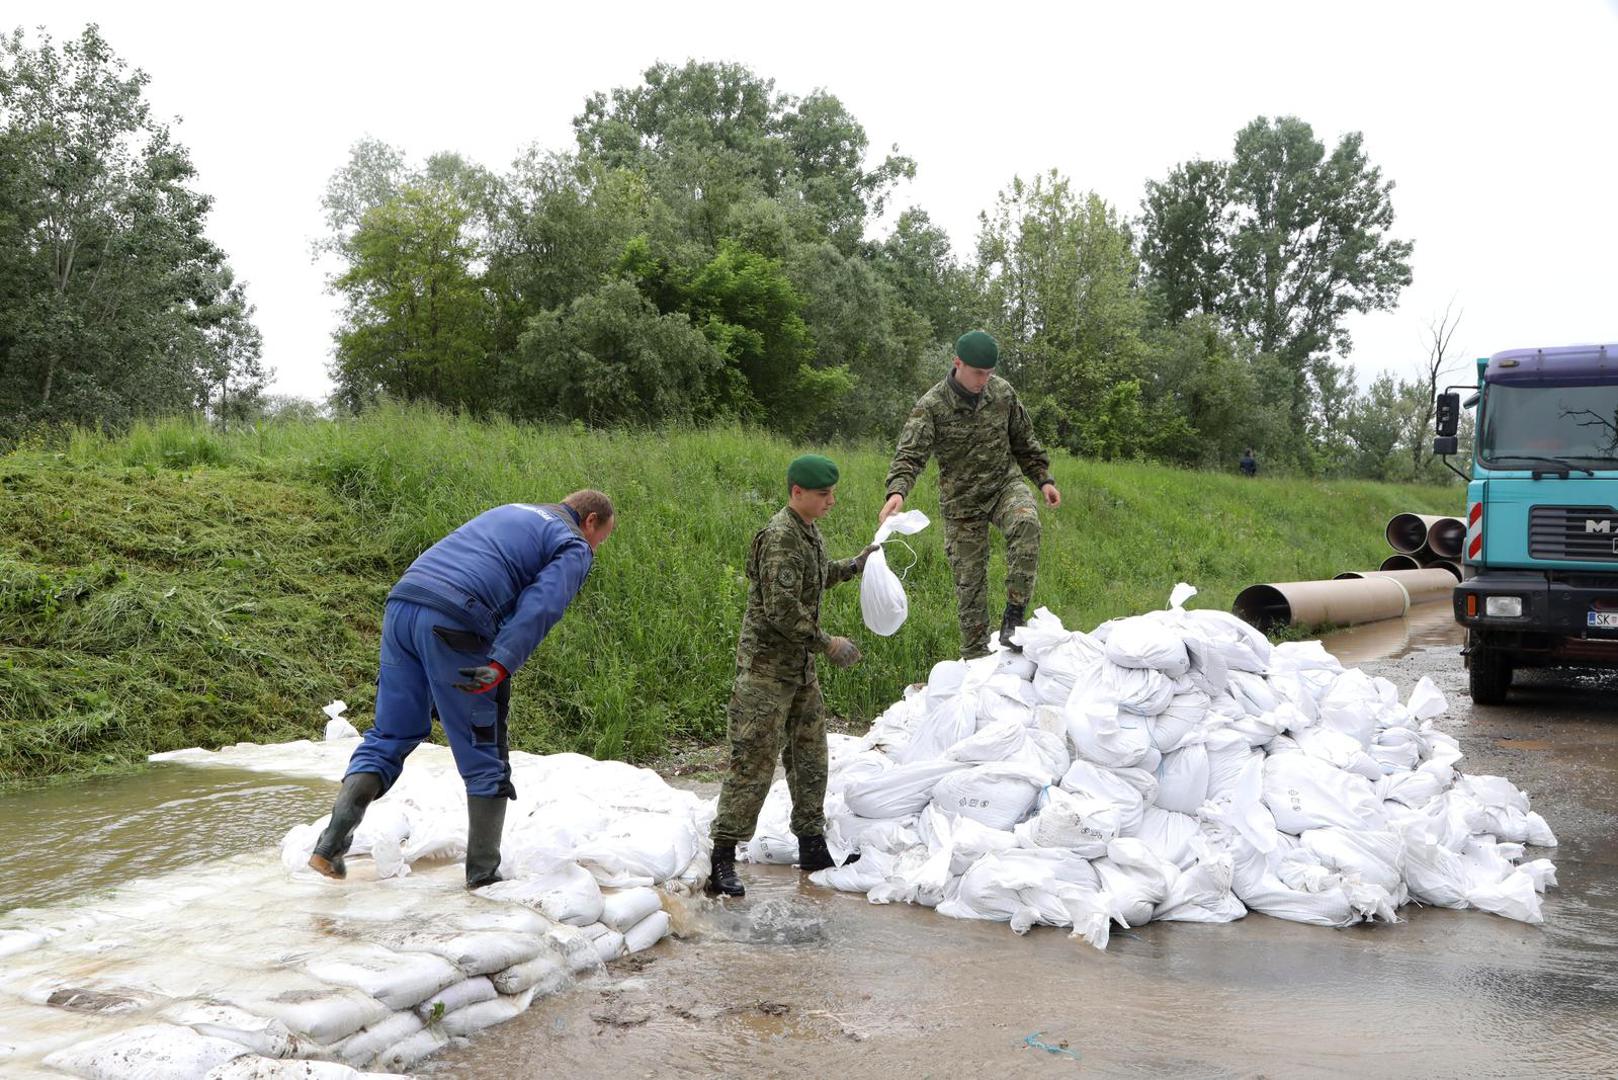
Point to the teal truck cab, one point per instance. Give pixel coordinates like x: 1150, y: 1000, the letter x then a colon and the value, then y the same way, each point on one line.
x: 1540, y: 571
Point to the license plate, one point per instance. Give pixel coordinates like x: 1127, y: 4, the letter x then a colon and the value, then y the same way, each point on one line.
x: 1602, y: 620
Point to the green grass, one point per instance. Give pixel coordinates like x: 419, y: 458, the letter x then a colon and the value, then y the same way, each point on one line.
x: 176, y: 587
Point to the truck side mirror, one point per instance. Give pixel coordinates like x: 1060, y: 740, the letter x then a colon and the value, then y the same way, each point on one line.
x: 1447, y: 418
x: 1446, y: 445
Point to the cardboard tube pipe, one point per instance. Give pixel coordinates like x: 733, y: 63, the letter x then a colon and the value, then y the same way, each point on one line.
x: 1316, y: 603
x: 1400, y: 562
x: 1446, y: 537
x: 1423, y: 586
x: 1407, y: 533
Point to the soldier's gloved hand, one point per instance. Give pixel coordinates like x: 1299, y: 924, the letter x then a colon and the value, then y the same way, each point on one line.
x: 859, y: 560
x: 482, y: 679
x: 843, y: 652
x: 894, y: 504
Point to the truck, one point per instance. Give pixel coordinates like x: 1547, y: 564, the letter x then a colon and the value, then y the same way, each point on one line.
x: 1539, y: 581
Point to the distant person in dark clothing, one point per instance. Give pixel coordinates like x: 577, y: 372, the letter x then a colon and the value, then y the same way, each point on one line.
x: 1249, y: 463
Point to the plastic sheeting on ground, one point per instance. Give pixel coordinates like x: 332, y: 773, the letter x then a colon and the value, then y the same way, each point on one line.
x: 255, y: 966
x: 1174, y: 766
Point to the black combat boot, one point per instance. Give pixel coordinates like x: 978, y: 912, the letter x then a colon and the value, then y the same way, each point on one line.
x: 485, y: 821
x: 813, y: 854
x: 357, y: 792
x: 723, y: 880
x: 1012, y: 619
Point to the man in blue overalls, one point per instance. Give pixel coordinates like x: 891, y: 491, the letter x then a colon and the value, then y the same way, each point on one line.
x: 457, y: 626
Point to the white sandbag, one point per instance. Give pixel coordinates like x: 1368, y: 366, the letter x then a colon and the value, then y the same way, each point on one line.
x: 1182, y: 779
x: 483, y: 1014
x: 261, y: 1034
x: 1426, y: 701
x: 1082, y: 824
x: 1339, y: 750
x: 1202, y: 893
x: 1104, y: 733
x: 1253, y: 693
x: 648, y: 932
x: 950, y: 711
x: 1138, y: 690
x: 1067, y: 665
x: 147, y: 1052
x: 883, y: 604
x: 1133, y: 880
x: 901, y: 791
x: 1435, y: 875
x: 1514, y: 897
x: 320, y: 1016
x: 1169, y: 835
x: 565, y: 891
x: 362, y: 1047
x: 1306, y: 793
x: 397, y: 980
x: 1042, y: 633
x: 544, y: 975
x: 639, y: 849
x: 628, y: 907
x: 1376, y: 856
x: 474, y: 952
x: 997, y: 741
x: 264, y: 1068
x: 1128, y: 790
x: 464, y: 993
x: 405, y: 1053
x: 1173, y: 727
x: 608, y: 943
x: 871, y: 870
x: 1143, y: 642
x: 1349, y: 706
x: 997, y: 794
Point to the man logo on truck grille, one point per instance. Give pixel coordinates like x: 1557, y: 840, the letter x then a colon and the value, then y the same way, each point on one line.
x: 1593, y: 526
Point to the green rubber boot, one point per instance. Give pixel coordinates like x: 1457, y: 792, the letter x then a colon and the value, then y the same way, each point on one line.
x: 357, y: 792
x: 485, y: 821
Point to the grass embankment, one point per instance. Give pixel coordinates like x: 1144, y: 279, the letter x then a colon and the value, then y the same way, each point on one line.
x: 176, y: 587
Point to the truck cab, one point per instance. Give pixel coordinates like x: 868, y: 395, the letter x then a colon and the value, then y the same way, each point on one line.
x: 1540, y: 571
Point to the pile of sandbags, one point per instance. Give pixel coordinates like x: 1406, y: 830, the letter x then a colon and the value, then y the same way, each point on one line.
x: 1172, y: 766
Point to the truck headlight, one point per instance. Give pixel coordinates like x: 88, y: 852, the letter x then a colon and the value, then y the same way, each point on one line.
x: 1509, y: 607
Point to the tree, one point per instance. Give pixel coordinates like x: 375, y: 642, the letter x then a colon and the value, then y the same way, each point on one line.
x: 1058, y: 271
x: 708, y: 133
x: 113, y: 301
x: 1282, y: 243
x: 610, y: 358
x: 1430, y: 374
x: 1185, y: 240
x: 415, y: 322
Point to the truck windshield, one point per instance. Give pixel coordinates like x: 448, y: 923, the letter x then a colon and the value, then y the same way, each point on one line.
x: 1576, y: 423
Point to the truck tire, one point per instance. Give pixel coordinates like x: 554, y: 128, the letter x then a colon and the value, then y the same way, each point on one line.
x: 1489, y: 675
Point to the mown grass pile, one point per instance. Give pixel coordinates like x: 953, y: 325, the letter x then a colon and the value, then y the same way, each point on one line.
x: 176, y: 587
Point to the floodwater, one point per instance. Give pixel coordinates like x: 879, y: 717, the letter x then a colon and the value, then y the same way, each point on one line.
x: 801, y: 981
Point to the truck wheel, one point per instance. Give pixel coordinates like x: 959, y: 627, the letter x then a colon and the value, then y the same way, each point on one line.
x: 1489, y: 676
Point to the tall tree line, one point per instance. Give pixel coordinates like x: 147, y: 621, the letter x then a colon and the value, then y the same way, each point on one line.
x: 711, y: 248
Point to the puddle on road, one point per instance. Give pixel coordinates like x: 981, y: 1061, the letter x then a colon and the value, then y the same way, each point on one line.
x: 1426, y: 626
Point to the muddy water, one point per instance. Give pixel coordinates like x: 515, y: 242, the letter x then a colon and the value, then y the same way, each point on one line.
x: 800, y: 981
x: 64, y: 841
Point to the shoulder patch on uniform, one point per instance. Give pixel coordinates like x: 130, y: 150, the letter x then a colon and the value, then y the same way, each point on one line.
x: 787, y: 575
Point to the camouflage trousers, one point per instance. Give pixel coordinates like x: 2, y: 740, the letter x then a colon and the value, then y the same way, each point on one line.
x: 773, y: 717
x: 966, y: 543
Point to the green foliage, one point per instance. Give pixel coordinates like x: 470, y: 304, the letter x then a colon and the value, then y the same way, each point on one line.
x: 181, y: 586
x: 113, y: 301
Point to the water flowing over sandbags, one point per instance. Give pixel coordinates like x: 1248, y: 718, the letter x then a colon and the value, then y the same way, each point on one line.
x: 1175, y: 766
x: 254, y: 966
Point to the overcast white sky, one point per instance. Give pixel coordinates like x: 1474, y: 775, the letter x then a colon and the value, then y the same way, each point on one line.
x: 1499, y: 122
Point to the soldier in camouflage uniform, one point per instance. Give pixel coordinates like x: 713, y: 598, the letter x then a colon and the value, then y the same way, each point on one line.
x: 775, y: 707
x: 985, y: 444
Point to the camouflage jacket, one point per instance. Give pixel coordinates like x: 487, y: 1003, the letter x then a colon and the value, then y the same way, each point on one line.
x: 787, y: 570
x: 981, y: 446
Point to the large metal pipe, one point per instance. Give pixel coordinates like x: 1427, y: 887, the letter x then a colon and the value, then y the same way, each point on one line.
x: 1408, y: 532
x: 1400, y: 562
x: 1433, y: 562
x: 1318, y: 603
x: 1433, y: 583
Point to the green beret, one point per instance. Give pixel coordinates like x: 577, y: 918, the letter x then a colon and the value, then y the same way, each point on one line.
x: 977, y: 349
x: 813, y: 472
